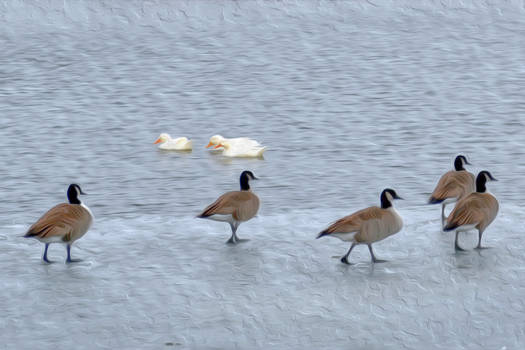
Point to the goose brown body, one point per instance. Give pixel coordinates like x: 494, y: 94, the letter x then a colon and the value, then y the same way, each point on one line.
x: 478, y: 209
x: 241, y: 205
x: 454, y: 184
x: 63, y: 223
x: 475, y: 211
x: 234, y: 207
x: 368, y: 225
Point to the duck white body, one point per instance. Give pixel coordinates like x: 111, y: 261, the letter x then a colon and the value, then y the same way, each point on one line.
x: 238, y: 142
x: 236, y: 150
x: 177, y: 144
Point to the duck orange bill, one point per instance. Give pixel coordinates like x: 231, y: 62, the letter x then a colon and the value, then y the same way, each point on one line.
x: 158, y: 141
x: 209, y: 145
x: 219, y: 145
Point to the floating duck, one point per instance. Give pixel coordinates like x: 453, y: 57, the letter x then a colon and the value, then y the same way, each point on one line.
x: 236, y: 150
x: 177, y: 144
x: 240, y: 142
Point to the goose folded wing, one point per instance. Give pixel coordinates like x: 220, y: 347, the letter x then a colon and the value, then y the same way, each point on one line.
x: 229, y: 203
x: 58, y: 221
x: 353, y: 222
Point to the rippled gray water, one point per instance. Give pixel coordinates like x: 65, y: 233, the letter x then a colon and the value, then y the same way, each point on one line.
x: 347, y: 100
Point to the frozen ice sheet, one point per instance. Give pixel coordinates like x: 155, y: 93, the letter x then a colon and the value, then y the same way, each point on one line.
x: 145, y: 282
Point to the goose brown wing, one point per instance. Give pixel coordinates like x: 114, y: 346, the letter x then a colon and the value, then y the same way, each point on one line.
x: 242, y: 205
x: 59, y: 221
x: 353, y: 222
x: 454, y: 184
x: 468, y: 211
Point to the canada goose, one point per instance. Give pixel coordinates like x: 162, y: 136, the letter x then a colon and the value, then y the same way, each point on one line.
x: 453, y: 185
x: 477, y: 210
x: 234, y: 207
x: 368, y: 225
x: 177, y: 144
x: 239, y: 142
x: 235, y: 150
x: 64, y: 223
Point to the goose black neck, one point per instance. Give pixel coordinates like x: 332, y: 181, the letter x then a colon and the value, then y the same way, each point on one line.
x: 72, y: 196
x: 458, y: 164
x: 385, y: 203
x: 480, y: 184
x: 245, y: 186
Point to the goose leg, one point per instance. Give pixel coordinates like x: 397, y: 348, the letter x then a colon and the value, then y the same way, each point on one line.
x: 480, y: 233
x: 69, y: 260
x: 374, y: 259
x: 344, y: 259
x: 45, y: 254
x: 456, y: 245
x: 233, y: 239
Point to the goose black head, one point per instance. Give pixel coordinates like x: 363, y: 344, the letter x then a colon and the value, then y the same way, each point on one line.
x: 387, y: 196
x: 246, y: 176
x: 482, y: 179
x: 73, y: 192
x: 460, y: 161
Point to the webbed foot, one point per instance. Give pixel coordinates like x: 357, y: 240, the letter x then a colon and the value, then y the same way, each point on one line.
x: 231, y: 241
x: 458, y: 248
x: 236, y: 240
x: 344, y: 260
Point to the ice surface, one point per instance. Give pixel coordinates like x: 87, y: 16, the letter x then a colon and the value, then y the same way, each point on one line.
x: 349, y: 96
x: 141, y: 287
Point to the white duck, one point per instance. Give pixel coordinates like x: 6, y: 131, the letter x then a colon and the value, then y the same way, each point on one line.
x: 235, y: 150
x: 177, y: 144
x: 240, y: 142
